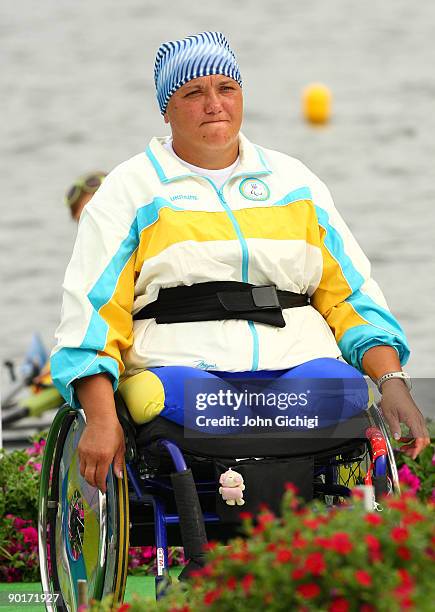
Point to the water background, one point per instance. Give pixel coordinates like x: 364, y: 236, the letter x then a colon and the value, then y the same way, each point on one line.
x: 77, y: 94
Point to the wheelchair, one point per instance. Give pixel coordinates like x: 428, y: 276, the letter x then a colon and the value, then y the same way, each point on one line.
x: 169, y: 494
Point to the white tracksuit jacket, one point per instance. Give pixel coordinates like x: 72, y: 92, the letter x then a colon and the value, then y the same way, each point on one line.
x: 153, y: 223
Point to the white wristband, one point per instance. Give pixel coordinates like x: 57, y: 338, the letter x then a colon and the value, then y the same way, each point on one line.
x: 402, y: 375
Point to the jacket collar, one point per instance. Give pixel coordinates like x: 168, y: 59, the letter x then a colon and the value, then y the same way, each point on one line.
x: 168, y: 168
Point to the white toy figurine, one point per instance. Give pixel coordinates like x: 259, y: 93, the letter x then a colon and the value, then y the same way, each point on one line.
x: 232, y: 488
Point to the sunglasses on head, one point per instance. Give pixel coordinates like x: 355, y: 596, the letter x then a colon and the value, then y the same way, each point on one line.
x: 86, y: 184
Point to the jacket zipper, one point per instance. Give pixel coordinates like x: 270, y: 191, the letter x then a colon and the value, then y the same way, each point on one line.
x: 245, y: 267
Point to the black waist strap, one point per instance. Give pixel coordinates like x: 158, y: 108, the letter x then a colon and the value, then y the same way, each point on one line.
x: 219, y: 300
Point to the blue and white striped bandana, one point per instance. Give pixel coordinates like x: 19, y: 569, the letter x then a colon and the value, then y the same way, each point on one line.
x: 180, y: 61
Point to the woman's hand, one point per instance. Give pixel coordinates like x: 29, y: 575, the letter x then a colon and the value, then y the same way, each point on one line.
x: 103, y: 438
x: 396, y: 403
x: 100, y: 444
x: 398, y: 407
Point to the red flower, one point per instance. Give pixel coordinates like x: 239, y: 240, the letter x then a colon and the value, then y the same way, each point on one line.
x: 397, y: 504
x: 357, y: 494
x: 401, y: 593
x: 373, y: 519
x: 298, y: 511
x: 18, y: 522
x: 372, y: 542
x: 367, y: 608
x: 323, y: 543
x: 242, y: 556
x: 284, y: 556
x: 231, y: 583
x: 374, y: 546
x: 267, y: 517
x: 405, y: 578
x: 404, y: 590
x: 339, y: 605
x: 196, y: 574
x: 211, y: 596
x: 258, y: 529
x: 298, y: 573
x: 404, y: 553
x: 207, y: 570
x: 298, y: 542
x: 412, y: 517
x: 289, y: 486
x: 309, y: 590
x: 363, y: 578
x: 30, y: 535
x: 245, y: 516
x: 271, y: 547
x: 124, y: 607
x: 408, y: 494
x: 375, y: 555
x: 247, y: 582
x: 341, y: 543
x: 210, y: 545
x: 399, y: 534
x: 315, y: 563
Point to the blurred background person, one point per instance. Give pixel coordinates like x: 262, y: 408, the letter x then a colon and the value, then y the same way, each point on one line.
x: 76, y: 197
x: 81, y: 192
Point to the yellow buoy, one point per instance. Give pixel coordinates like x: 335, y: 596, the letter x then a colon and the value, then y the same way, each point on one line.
x: 316, y: 103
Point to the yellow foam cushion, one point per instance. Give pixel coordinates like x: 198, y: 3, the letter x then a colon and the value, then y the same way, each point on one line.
x: 143, y: 395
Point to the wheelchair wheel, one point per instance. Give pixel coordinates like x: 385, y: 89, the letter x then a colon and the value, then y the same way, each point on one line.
x: 83, y: 534
x: 377, y: 420
x: 368, y: 462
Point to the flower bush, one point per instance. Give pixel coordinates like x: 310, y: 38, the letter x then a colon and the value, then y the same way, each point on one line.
x: 19, y: 489
x: 339, y: 560
x: 18, y: 550
x: 19, y: 481
x: 418, y: 474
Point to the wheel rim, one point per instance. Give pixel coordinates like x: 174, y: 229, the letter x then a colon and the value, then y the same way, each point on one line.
x: 80, y: 526
x: 375, y: 415
x: 118, y: 540
x: 62, y: 419
x: 88, y: 531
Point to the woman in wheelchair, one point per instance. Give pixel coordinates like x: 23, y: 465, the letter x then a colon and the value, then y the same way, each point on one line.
x: 202, y: 262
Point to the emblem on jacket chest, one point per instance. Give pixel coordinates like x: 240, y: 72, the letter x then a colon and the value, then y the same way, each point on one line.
x: 254, y: 189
